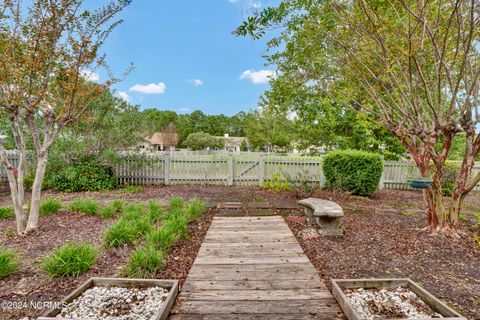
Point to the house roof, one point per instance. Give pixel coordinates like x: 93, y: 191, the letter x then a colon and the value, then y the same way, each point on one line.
x: 159, y: 138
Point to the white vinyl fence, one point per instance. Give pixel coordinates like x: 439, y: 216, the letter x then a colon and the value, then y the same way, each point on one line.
x: 236, y: 169
x: 242, y: 170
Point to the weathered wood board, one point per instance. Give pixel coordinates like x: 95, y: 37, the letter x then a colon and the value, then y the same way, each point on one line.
x: 253, y: 268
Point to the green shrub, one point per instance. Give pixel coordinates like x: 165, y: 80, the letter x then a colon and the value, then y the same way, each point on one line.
x: 70, y: 260
x: 50, y: 206
x: 144, y: 263
x: 86, y: 206
x: 277, y: 183
x: 6, y: 212
x: 356, y: 171
x: 120, y: 233
x: 155, y: 211
x: 8, y: 262
x: 113, y: 208
x: 86, y: 174
x: 195, y: 209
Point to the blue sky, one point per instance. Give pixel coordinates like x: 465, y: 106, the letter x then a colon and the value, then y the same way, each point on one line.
x: 185, y: 56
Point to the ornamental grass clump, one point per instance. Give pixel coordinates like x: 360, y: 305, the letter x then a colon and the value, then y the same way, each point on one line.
x: 144, y: 262
x: 50, y: 206
x: 195, y: 209
x: 72, y: 259
x: 88, y: 207
x: 114, y: 208
x: 8, y: 262
x: 120, y: 233
x: 132, y: 212
x: 155, y: 211
x: 6, y: 212
x: 162, y: 238
x: 176, y: 203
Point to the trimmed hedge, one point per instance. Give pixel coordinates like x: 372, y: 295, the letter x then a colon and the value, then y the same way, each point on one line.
x: 359, y: 172
x: 86, y: 174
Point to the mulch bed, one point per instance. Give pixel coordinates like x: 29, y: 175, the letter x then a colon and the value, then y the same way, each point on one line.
x: 387, y: 243
x: 381, y: 240
x: 31, y: 284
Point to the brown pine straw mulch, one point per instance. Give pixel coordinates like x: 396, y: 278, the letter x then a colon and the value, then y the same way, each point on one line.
x: 388, y: 244
x: 31, y: 284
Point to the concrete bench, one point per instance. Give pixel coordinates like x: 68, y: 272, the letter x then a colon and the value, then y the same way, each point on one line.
x: 326, y: 215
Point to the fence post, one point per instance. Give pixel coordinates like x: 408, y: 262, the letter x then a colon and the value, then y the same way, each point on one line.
x: 381, y: 183
x: 230, y: 170
x: 261, y: 170
x: 166, y: 169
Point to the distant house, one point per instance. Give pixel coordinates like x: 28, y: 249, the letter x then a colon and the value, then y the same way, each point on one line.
x: 234, y: 144
x: 161, y: 141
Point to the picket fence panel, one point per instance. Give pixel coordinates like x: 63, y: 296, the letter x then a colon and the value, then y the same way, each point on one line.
x: 239, y: 170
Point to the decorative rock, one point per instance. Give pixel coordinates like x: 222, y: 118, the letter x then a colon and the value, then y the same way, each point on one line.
x: 115, y: 303
x: 326, y: 215
x: 385, y: 303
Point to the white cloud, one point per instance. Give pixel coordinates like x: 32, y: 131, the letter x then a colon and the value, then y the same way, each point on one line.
x: 152, y: 88
x: 253, y: 5
x: 184, y: 110
x: 90, y: 75
x: 196, y: 82
x: 247, y: 4
x: 258, y: 77
x: 124, y: 96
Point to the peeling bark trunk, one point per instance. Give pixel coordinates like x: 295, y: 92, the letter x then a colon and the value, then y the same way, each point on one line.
x: 36, y: 193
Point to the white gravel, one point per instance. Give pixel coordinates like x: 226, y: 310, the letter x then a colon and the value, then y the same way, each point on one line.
x: 115, y: 303
x: 389, y: 303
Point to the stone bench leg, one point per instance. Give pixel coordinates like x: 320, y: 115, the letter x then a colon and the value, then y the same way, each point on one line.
x: 330, y: 226
x: 311, y: 218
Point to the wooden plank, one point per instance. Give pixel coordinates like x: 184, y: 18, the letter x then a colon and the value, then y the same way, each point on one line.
x: 254, y: 260
x: 216, y: 274
x: 255, y: 295
x: 250, y: 246
x: 253, y: 266
x: 273, y: 284
x: 264, y: 316
x: 232, y: 252
x: 326, y: 308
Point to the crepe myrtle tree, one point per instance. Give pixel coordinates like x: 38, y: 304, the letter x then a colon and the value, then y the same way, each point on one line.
x: 416, y: 63
x: 46, y: 50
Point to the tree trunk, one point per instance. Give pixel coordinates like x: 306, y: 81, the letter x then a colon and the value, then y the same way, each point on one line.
x: 37, y: 193
x: 18, y: 204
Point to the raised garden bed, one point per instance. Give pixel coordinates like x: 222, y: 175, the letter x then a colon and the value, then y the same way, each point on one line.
x: 372, y: 299
x: 112, y: 298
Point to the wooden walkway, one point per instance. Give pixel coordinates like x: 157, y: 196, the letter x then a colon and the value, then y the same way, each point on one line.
x: 253, y: 268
